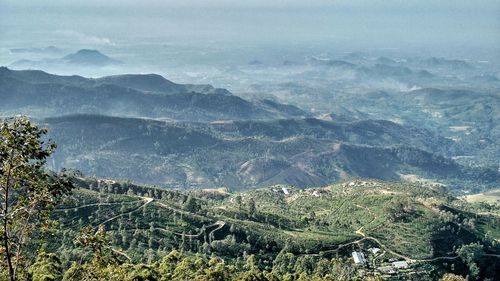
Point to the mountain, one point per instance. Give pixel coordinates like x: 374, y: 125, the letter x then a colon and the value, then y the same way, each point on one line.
x: 445, y: 63
x: 366, y: 132
x: 81, y: 58
x: 223, y: 139
x: 402, y: 73
x: 154, y: 83
x: 144, y: 82
x: 37, y: 93
x: 333, y: 63
x: 88, y: 57
x: 386, y: 61
x: 469, y: 117
x: 343, y: 114
x: 247, y: 154
x: 48, y: 49
x: 383, y: 68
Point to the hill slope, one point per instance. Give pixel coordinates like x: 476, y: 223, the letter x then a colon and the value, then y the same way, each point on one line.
x: 40, y: 94
x: 416, y: 223
x: 244, y: 154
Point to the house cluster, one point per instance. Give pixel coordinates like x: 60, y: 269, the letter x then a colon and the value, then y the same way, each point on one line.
x: 281, y: 189
x: 359, y: 257
x: 390, y: 268
x: 105, y: 182
x: 288, y: 190
x: 393, y: 267
x: 374, y: 251
x: 359, y: 183
x: 315, y: 192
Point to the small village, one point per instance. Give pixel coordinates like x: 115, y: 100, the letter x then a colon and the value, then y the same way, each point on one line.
x: 373, y: 265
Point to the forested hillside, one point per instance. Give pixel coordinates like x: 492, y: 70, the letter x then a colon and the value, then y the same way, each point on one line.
x: 148, y: 129
x: 243, y: 154
x: 70, y: 227
x: 283, y: 231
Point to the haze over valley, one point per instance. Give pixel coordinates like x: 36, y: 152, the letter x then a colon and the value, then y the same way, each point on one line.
x: 261, y: 140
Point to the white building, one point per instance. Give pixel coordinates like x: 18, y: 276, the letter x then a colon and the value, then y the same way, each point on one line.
x: 400, y: 264
x: 374, y: 250
x: 359, y: 258
x: 386, y: 269
x: 285, y: 190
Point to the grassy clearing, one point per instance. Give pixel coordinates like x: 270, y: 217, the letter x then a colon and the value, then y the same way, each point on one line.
x: 491, y: 197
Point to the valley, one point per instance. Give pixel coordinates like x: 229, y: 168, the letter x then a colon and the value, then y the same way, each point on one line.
x: 249, y: 140
x: 150, y: 130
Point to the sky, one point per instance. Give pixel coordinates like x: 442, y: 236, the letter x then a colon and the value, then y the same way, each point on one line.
x: 360, y: 24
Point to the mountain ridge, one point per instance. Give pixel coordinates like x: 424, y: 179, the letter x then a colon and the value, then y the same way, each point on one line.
x: 37, y: 92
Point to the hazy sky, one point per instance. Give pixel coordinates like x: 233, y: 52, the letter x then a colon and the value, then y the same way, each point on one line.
x: 370, y: 23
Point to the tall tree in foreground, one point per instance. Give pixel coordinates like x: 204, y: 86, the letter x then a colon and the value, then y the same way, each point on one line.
x: 27, y: 192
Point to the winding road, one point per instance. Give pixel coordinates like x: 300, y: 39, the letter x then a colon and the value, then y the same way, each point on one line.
x: 94, y: 204
x: 220, y: 224
x: 147, y: 200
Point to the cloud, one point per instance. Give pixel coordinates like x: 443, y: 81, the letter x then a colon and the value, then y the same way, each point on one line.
x: 83, y: 38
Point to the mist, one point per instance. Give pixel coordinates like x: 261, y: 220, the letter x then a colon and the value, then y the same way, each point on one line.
x: 440, y: 27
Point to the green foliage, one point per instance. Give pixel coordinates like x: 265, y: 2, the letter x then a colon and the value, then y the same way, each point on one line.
x: 27, y: 192
x: 284, y: 263
x: 47, y: 267
x: 122, y: 231
x: 251, y: 207
x: 471, y: 255
x: 191, y: 205
x: 95, y: 241
x: 300, y: 234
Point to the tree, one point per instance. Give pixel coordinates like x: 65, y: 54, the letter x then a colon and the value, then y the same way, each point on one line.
x: 169, y: 263
x: 252, y: 272
x: 27, y: 191
x: 47, y: 267
x: 305, y: 264
x: 217, y: 271
x: 252, y: 275
x: 251, y: 263
x: 470, y: 254
x: 191, y: 205
x: 102, y: 265
x: 341, y: 270
x: 143, y: 272
x: 94, y: 240
x: 251, y: 207
x: 284, y: 262
x: 238, y: 201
